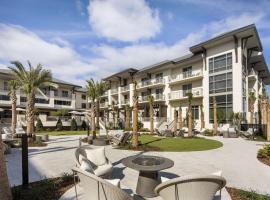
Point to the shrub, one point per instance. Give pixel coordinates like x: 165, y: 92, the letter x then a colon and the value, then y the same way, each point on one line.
x: 144, y: 130
x: 208, y: 132
x: 140, y: 125
x: 73, y: 125
x: 84, y: 125
x: 39, y: 125
x: 264, y: 152
x: 59, y: 125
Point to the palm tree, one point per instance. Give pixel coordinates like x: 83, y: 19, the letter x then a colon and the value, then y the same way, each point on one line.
x: 135, y: 117
x: 190, y: 97
x: 92, y: 94
x: 31, y: 82
x: 174, y: 129
x: 251, y: 101
x: 101, y: 88
x: 127, y: 117
x: 151, y: 110
x: 13, y: 86
x: 215, y: 115
x: 114, y: 110
x: 180, y: 122
x: 5, y: 193
x: 202, y: 117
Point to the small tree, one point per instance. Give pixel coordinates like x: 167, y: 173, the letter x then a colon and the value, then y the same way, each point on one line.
x: 251, y: 102
x: 190, y: 97
x: 180, y: 122
x: 39, y: 125
x: 151, y: 110
x: 135, y: 111
x: 84, y: 125
x: 127, y: 117
x: 215, y: 115
x: 73, y: 125
x: 202, y: 117
x: 59, y: 125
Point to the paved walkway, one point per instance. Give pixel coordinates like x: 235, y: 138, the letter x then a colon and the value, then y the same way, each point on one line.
x: 237, y: 159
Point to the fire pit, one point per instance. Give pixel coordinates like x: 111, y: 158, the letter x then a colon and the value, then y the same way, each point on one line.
x: 148, y: 167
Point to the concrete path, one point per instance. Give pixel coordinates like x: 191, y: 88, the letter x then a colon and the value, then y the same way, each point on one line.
x: 237, y: 159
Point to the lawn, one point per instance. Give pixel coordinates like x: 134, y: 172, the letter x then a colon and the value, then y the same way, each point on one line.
x: 58, y: 133
x: 148, y: 142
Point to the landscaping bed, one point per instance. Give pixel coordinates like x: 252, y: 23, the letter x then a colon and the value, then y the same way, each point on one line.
x: 151, y: 143
x: 61, y: 133
x: 237, y: 194
x: 47, y: 189
x: 264, y: 155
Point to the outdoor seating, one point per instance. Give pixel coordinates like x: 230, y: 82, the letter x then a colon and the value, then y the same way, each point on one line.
x: 94, y: 161
x: 192, y: 187
x: 250, y: 133
x: 232, y: 132
x: 7, y: 134
x: 121, y: 139
x: 97, y: 188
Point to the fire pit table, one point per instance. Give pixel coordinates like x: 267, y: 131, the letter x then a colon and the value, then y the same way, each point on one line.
x: 148, y: 167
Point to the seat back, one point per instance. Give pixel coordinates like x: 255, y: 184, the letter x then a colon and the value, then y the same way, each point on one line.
x: 99, y: 189
x: 78, y: 151
x: 191, y: 187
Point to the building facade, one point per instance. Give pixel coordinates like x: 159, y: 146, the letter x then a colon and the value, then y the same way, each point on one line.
x: 228, y: 67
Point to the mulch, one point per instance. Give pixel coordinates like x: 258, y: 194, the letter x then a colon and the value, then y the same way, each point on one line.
x: 264, y: 160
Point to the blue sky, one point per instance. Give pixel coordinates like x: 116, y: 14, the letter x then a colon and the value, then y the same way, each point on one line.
x: 79, y: 39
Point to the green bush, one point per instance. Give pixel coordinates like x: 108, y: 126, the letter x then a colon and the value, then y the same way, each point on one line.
x: 84, y: 125
x: 140, y: 125
x: 73, y: 125
x: 39, y: 125
x: 264, y: 152
x: 59, y: 125
x: 144, y: 130
x: 208, y: 132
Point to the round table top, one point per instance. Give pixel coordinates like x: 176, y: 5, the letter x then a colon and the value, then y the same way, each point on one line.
x: 147, y: 163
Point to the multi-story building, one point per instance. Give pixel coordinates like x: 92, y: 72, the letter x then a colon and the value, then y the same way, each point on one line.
x: 227, y: 66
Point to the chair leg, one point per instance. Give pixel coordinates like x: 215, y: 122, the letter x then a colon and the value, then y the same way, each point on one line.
x: 76, y: 192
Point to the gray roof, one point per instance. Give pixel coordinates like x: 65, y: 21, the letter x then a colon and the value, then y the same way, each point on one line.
x: 121, y: 72
x: 55, y: 80
x: 81, y: 89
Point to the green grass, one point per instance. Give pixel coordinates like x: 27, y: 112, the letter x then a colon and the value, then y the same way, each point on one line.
x: 178, y: 144
x: 252, y: 195
x: 59, y: 133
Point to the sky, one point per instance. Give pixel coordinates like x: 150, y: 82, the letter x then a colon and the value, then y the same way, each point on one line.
x: 82, y: 39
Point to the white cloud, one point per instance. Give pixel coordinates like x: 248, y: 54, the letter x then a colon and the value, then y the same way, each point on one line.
x: 126, y: 20
x: 80, y: 7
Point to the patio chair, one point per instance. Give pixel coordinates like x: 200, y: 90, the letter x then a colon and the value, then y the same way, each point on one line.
x: 232, y: 132
x: 96, y: 188
x: 191, y: 187
x: 250, y: 133
x: 121, y: 140
x: 94, y: 160
x: 7, y: 134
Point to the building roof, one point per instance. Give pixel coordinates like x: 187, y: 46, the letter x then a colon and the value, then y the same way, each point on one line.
x: 55, y: 80
x: 125, y: 71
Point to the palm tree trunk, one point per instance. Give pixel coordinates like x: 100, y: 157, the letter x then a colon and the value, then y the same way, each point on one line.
x: 174, y: 121
x: 202, y: 119
x: 127, y: 120
x: 93, y: 122
x: 5, y: 193
x: 98, y: 110
x: 14, y: 113
x: 151, y: 119
x: 113, y: 119
x: 135, y: 125
x: 189, y: 122
x: 251, y: 115
x: 215, y: 116
x: 268, y: 122
x: 30, y: 113
x: 180, y: 122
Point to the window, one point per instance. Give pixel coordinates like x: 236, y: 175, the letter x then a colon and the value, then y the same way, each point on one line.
x: 224, y: 108
x: 195, y: 112
x: 5, y: 85
x: 83, y: 105
x: 83, y: 96
x: 187, y: 72
x: 220, y: 63
x: 55, y: 93
x: 23, y: 99
x: 64, y: 93
x: 187, y: 89
x: 4, y: 98
x: 220, y: 83
x: 41, y: 101
x: 63, y: 103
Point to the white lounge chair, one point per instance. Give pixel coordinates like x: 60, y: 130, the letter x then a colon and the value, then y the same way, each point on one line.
x: 250, y: 133
x: 93, y: 160
x: 96, y: 188
x: 192, y: 187
x: 20, y: 131
x: 7, y: 134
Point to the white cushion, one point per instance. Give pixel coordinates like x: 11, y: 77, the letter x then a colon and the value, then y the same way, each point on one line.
x: 218, y: 173
x: 115, y: 182
x: 164, y: 179
x: 86, y: 166
x: 104, y: 169
x: 96, y: 156
x: 81, y: 157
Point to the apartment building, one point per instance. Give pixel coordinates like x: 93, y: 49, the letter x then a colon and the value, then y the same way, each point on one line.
x: 66, y: 96
x: 227, y: 66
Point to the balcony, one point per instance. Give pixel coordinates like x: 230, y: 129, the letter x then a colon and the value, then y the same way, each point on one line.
x: 105, y: 94
x: 124, y: 101
x: 157, y: 97
x: 125, y: 88
x: 252, y: 74
x: 103, y: 104
x: 185, y: 76
x: 114, y: 91
x: 4, y: 91
x: 151, y: 83
x: 181, y: 94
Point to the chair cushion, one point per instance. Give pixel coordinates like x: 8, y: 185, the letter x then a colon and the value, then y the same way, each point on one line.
x: 115, y: 182
x: 86, y: 166
x: 96, y: 156
x: 104, y: 169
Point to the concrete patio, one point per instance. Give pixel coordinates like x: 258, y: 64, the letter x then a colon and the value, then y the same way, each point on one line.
x: 237, y: 160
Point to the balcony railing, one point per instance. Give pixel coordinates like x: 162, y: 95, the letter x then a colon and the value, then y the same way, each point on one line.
x: 184, y: 75
x: 105, y: 93
x: 124, y: 101
x: 125, y: 88
x: 103, y: 104
x: 150, y: 82
x: 157, y: 97
x: 181, y: 94
x: 114, y: 90
x: 251, y: 72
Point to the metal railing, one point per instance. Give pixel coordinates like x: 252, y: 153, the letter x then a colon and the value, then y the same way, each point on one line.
x: 185, y: 75
x: 114, y: 90
x: 183, y: 94
x: 151, y: 82
x: 125, y: 88
x: 124, y: 101
x: 103, y: 104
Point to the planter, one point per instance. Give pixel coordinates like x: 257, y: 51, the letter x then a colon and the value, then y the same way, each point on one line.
x: 100, y: 142
x: 45, y: 138
x: 226, y: 134
x: 38, y: 138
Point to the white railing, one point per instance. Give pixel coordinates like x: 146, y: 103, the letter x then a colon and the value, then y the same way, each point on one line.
x: 105, y: 93
x: 184, y: 75
x: 251, y: 72
x: 125, y: 88
x: 124, y: 101
x: 180, y: 94
x: 159, y: 97
x: 114, y: 90
x: 103, y: 104
x: 149, y: 82
x: 143, y: 98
